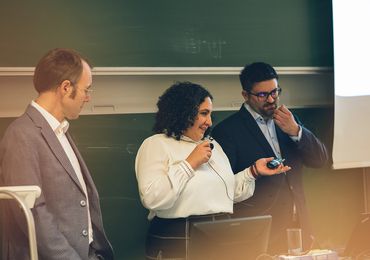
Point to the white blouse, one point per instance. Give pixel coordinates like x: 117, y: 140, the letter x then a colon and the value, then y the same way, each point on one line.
x: 170, y: 188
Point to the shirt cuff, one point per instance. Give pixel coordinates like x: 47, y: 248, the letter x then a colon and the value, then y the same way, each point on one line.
x: 248, y: 174
x: 297, y: 138
x: 187, y: 168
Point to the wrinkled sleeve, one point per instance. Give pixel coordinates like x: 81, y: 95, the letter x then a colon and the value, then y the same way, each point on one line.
x: 313, y: 151
x: 160, y: 180
x: 244, y: 185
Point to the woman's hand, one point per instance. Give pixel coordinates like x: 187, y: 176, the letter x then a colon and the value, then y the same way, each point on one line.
x: 262, y: 169
x: 201, y: 154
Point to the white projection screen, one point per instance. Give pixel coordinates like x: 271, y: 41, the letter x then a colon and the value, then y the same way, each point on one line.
x: 351, y: 27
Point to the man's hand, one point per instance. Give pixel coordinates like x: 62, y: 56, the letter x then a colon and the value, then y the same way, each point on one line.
x: 285, y: 120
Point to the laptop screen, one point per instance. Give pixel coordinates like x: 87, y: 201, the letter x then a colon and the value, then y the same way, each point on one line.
x: 234, y: 238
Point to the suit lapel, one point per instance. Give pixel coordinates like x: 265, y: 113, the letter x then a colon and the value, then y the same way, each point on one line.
x: 252, y: 127
x: 92, y: 192
x: 53, y: 142
x: 85, y: 171
x: 283, y: 139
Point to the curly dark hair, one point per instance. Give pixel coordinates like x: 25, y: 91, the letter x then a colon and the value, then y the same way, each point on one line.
x: 178, y: 108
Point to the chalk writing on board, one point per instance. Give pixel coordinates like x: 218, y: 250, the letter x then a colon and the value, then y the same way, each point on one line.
x: 213, y: 48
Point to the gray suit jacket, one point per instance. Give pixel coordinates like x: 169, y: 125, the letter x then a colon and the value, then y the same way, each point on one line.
x: 31, y: 154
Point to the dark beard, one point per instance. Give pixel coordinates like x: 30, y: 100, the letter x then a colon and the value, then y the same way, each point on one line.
x: 269, y: 114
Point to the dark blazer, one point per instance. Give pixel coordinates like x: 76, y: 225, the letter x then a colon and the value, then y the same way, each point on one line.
x: 244, y: 143
x: 31, y: 154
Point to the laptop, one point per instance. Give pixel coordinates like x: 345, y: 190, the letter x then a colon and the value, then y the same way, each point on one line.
x: 235, y: 238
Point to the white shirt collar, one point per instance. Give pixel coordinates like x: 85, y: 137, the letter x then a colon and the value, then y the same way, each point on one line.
x: 56, y: 126
x: 254, y: 114
x: 189, y: 140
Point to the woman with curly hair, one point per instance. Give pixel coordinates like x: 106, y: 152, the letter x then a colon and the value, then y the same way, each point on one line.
x: 183, y: 177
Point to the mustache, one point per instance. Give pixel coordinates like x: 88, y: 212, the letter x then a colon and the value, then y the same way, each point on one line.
x: 270, y: 104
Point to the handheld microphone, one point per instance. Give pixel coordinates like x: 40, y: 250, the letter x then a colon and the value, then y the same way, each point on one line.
x: 210, y: 139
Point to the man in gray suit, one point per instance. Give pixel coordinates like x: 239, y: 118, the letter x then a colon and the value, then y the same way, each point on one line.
x: 38, y: 150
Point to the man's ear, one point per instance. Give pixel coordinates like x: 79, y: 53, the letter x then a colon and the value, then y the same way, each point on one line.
x: 65, y: 87
x: 245, y: 95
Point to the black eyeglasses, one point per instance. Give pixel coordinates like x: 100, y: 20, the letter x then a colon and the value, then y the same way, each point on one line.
x: 263, y: 96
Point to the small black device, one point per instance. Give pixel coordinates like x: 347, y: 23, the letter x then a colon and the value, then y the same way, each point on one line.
x: 210, y: 139
x: 275, y: 163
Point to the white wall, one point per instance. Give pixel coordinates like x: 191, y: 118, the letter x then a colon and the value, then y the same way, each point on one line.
x: 136, y: 90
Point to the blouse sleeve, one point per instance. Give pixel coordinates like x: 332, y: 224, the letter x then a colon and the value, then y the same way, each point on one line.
x: 160, y: 181
x: 244, y: 185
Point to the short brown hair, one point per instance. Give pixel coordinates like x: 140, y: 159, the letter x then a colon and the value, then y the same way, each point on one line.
x: 56, y: 66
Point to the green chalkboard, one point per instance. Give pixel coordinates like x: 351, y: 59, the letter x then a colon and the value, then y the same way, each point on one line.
x: 137, y: 33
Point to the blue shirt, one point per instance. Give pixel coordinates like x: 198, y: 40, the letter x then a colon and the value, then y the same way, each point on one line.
x: 269, y: 131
